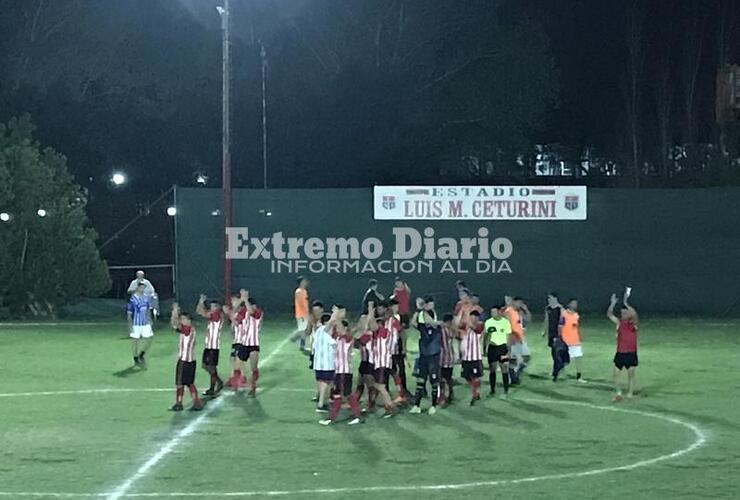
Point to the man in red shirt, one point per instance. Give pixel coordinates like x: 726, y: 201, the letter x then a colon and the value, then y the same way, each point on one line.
x: 626, y: 357
x: 402, y: 295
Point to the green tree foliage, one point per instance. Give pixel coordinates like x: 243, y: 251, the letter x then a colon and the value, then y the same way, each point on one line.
x: 45, y: 262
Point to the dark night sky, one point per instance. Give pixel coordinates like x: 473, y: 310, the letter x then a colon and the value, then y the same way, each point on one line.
x: 360, y: 91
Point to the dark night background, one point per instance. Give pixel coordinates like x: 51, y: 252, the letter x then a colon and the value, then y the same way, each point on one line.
x: 369, y: 91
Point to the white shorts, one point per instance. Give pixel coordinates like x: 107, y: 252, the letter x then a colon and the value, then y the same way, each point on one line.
x: 519, y: 349
x: 575, y: 351
x: 142, y: 331
x: 301, y: 324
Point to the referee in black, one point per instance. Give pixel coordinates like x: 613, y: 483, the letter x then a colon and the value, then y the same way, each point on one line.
x: 430, y: 348
x: 558, y: 349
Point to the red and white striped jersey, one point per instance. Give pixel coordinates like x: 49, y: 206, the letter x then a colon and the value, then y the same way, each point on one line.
x: 213, y: 333
x: 186, y: 343
x: 471, y: 339
x: 343, y: 363
x: 383, y: 348
x: 393, y: 325
x: 238, y: 325
x: 365, y: 345
x: 447, y: 358
x: 252, y: 325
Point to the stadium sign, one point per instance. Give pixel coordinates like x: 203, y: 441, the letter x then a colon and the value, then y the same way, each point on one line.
x: 480, y: 202
x: 414, y: 251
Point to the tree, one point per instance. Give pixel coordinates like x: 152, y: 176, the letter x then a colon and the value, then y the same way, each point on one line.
x: 45, y: 261
x: 390, y: 86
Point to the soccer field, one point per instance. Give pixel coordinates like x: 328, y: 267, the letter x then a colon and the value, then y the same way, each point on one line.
x: 73, y: 428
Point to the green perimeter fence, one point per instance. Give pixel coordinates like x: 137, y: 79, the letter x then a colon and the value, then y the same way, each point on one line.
x: 679, y: 249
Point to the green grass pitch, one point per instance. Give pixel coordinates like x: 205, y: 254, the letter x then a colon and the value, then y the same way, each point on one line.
x: 553, y: 441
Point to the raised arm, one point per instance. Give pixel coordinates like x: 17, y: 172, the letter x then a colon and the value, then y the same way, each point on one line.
x: 200, y: 308
x: 458, y: 319
x: 175, y: 316
x: 527, y: 313
x: 610, y: 311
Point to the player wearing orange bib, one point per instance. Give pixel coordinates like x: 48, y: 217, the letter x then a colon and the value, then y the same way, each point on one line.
x: 517, y: 314
x: 301, y: 312
x: 570, y: 333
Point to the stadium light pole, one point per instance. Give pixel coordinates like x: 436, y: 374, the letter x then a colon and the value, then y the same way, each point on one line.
x: 263, y: 56
x: 226, y: 141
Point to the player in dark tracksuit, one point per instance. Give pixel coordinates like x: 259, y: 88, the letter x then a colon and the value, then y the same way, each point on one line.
x: 430, y: 349
x: 558, y: 350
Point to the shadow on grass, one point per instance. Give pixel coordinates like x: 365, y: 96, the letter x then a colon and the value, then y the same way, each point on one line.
x: 251, y: 406
x: 548, y: 393
x: 485, y: 413
x: 693, y: 417
x: 127, y: 371
x: 463, y: 428
x: 404, y: 435
x: 533, y: 408
x: 366, y: 448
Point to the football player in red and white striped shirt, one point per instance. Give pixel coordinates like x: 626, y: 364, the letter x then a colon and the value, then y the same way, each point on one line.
x: 448, y: 358
x: 212, y: 345
x: 470, y: 331
x: 236, y: 313
x: 343, y: 376
x: 185, y: 371
x: 383, y: 347
x: 395, y: 327
x: 364, y: 343
x: 249, y: 346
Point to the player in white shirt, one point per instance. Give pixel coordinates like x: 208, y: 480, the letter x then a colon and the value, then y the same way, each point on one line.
x: 149, y: 291
x: 324, y: 359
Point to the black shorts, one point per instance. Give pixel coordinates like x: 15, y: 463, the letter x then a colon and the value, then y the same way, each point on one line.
x: 243, y: 351
x: 428, y: 367
x: 210, y: 357
x: 399, y: 361
x: 472, y: 370
x: 447, y: 373
x: 498, y: 353
x: 404, y: 320
x: 324, y: 376
x: 625, y: 360
x: 185, y: 372
x: 342, y: 384
x: 382, y: 375
x: 367, y: 368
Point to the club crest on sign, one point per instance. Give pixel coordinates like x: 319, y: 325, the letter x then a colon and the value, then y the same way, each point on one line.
x: 571, y: 202
x: 389, y: 202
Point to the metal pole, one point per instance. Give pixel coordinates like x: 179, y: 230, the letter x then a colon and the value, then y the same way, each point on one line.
x: 175, y: 268
x: 226, y: 136
x: 263, y: 54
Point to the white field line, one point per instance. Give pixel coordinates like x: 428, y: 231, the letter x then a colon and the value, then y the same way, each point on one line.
x: 66, y: 323
x: 123, y: 488
x: 113, y: 390
x: 699, y: 440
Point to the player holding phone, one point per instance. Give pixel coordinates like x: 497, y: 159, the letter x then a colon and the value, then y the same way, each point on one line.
x: 625, y: 358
